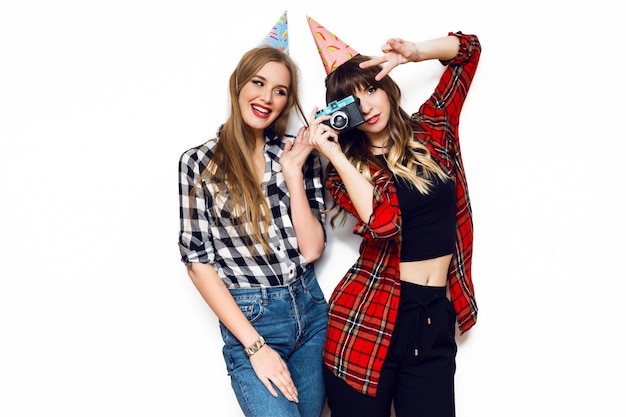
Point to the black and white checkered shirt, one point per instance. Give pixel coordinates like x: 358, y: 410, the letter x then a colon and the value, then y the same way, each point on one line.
x: 207, y: 234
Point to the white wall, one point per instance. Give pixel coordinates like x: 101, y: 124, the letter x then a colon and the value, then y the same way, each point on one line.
x: 99, y: 98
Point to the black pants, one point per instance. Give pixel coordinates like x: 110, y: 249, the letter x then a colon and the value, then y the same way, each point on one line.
x: 418, y: 373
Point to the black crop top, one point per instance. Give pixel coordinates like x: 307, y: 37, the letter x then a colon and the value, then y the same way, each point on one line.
x: 428, y: 221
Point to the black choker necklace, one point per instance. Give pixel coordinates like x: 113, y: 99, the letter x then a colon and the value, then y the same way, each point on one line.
x: 379, y: 147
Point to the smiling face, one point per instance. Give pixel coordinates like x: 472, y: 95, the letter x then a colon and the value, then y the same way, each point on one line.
x: 263, y: 98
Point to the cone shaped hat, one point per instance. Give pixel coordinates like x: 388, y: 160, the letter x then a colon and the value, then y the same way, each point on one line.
x: 278, y: 37
x: 332, y: 50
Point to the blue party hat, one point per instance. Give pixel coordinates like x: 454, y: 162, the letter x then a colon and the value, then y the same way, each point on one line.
x: 278, y: 37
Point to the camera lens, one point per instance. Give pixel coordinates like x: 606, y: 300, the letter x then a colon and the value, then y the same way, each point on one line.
x: 339, y: 120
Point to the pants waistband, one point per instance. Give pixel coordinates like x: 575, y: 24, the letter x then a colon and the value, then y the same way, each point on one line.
x: 300, y: 284
x: 418, y: 299
x: 417, y: 292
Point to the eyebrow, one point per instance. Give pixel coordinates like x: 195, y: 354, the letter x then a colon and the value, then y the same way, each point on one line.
x: 265, y: 79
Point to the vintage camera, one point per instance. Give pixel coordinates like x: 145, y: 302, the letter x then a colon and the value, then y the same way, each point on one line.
x: 345, y: 114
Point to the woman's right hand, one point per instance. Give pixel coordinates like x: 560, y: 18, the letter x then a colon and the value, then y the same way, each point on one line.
x: 324, y: 138
x: 271, y: 369
x: 266, y: 362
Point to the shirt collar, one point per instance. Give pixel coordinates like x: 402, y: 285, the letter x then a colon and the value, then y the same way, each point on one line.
x: 271, y: 137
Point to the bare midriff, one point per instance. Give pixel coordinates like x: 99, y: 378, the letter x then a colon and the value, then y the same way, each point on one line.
x: 431, y: 272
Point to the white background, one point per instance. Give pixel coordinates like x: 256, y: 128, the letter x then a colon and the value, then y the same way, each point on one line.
x: 99, y: 98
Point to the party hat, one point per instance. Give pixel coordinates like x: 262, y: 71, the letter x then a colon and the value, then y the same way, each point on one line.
x: 333, y: 50
x: 278, y: 37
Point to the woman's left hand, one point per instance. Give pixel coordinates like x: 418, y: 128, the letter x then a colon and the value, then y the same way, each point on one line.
x: 296, y: 153
x: 396, y: 52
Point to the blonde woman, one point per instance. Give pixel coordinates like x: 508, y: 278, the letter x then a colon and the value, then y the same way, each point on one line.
x: 251, y: 204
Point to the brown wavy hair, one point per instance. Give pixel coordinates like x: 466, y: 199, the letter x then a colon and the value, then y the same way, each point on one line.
x: 407, y: 159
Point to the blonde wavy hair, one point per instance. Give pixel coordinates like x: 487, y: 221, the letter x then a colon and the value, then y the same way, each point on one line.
x: 231, y: 167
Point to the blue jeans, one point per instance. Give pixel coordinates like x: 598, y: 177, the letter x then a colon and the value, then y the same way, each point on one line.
x: 292, y: 319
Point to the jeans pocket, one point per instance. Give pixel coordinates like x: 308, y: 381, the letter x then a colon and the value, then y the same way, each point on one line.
x: 315, y: 292
x: 252, y: 308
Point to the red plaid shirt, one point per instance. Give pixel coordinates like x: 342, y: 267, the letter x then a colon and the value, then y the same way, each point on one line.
x: 364, y: 305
